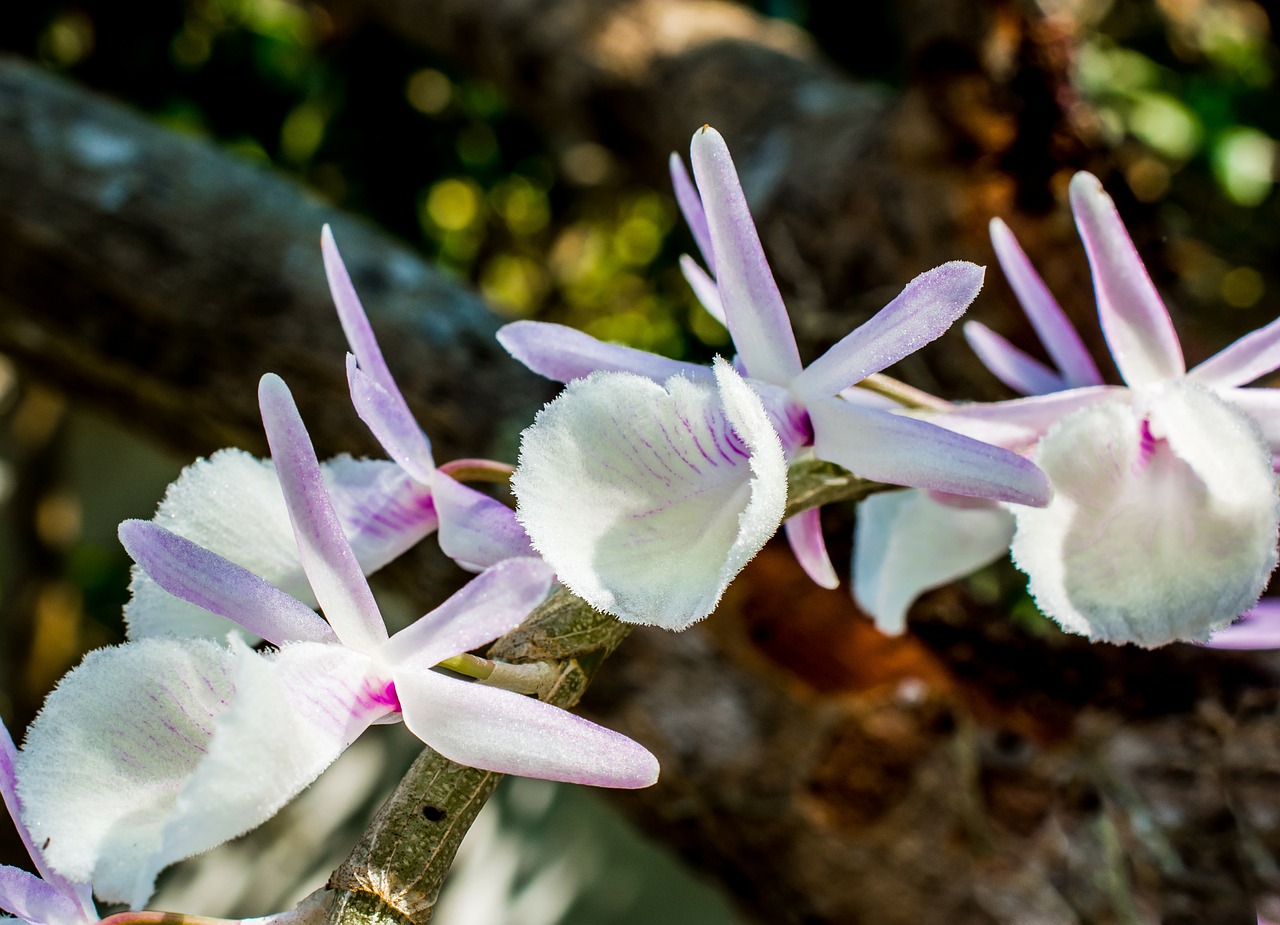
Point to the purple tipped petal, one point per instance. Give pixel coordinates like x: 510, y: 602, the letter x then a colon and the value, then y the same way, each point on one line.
x: 491, y: 604
x: 704, y: 287
x: 206, y: 579
x: 1056, y: 333
x: 804, y: 533
x: 326, y: 556
x: 498, y: 730
x: 1019, y: 371
x: 475, y: 530
x: 1249, y: 358
x: 904, y: 451
x: 691, y: 208
x: 753, y: 306
x: 1259, y: 628
x: 1134, y: 319
x: 1033, y: 415
x: 355, y: 323
x: 921, y: 313
x: 388, y: 417
x: 563, y: 354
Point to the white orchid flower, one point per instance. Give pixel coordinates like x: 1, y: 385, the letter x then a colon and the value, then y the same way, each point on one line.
x: 160, y: 749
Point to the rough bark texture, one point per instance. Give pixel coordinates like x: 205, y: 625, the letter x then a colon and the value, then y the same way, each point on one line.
x: 974, y: 773
x: 159, y: 278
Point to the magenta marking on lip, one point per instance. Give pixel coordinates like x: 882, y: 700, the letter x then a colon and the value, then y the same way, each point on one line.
x: 1146, y: 447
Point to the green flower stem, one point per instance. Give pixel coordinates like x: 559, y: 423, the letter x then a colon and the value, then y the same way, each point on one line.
x: 905, y: 395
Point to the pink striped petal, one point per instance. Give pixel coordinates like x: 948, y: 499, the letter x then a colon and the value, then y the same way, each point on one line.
x: 691, y: 208
x: 1259, y: 628
x: 648, y: 500
x: 904, y: 451
x: 475, y: 530
x: 906, y: 543
x: 1018, y: 370
x: 1249, y: 358
x: 753, y: 306
x: 1056, y: 332
x: 1134, y: 318
x: 335, y: 575
x: 497, y: 730
x: 490, y: 605
x: 206, y: 579
x: 921, y: 313
x: 388, y: 418
x: 563, y: 354
x: 804, y: 534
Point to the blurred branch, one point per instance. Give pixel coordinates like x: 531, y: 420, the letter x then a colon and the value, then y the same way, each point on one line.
x: 159, y: 278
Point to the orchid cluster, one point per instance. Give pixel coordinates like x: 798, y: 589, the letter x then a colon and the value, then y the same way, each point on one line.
x: 1143, y: 513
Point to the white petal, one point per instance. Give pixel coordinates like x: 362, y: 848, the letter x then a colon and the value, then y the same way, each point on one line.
x: 291, y: 716
x: 1164, y: 519
x: 498, y: 730
x: 906, y: 543
x: 231, y: 504
x: 160, y: 749
x: 104, y: 761
x: 648, y: 500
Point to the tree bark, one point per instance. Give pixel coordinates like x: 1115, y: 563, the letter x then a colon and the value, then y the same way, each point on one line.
x: 150, y: 274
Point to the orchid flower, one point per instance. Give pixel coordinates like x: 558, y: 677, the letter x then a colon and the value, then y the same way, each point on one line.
x: 160, y: 749
x: 1164, y: 520
x: 231, y: 503
x: 804, y: 404
x: 47, y: 899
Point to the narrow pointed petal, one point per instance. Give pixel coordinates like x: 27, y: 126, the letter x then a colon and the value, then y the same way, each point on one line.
x: 1164, y: 520
x: 1134, y: 318
x: 753, y: 306
x: 9, y: 793
x: 103, y: 762
x: 231, y: 504
x: 648, y: 500
x: 477, y: 531
x: 326, y: 555
x: 1263, y: 406
x: 804, y: 534
x: 490, y: 605
x: 497, y: 730
x: 563, y: 354
x: 32, y: 900
x: 1056, y: 332
x: 393, y: 426
x: 691, y: 208
x: 1018, y: 370
x: 904, y: 451
x: 1249, y: 358
x: 1259, y: 628
x: 704, y: 287
x: 921, y: 313
x: 1001, y: 421
x: 906, y: 543
x: 351, y: 314
x: 206, y: 579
